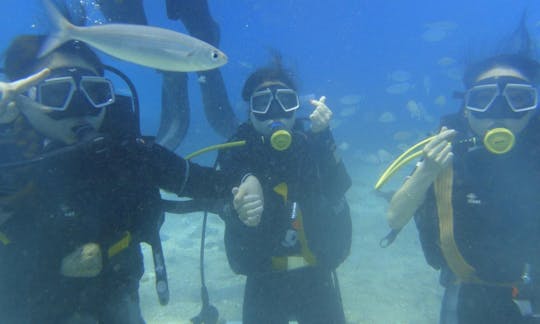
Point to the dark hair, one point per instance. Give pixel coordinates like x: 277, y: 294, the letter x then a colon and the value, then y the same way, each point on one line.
x: 271, y: 72
x: 515, y: 51
x: 21, y: 56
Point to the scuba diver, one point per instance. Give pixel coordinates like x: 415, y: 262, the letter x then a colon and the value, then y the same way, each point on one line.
x: 175, y: 111
x: 290, y: 252
x: 79, y: 190
x: 475, y: 194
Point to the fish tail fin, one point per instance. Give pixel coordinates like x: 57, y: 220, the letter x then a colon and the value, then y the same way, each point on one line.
x: 62, y: 32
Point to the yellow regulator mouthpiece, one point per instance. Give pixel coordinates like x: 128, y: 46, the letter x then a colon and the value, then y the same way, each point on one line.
x: 281, y: 140
x: 499, y: 140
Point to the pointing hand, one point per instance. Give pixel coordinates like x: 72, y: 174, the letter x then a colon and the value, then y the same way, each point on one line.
x: 9, y: 91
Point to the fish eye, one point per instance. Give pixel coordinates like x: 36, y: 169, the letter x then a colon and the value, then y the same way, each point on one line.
x: 215, y: 55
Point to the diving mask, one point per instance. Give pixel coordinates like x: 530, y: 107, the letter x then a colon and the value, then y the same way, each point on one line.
x: 57, y: 93
x: 517, y: 98
x: 260, y: 102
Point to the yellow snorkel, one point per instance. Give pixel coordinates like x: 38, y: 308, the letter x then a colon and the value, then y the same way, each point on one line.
x: 401, y: 160
x: 497, y: 141
x: 280, y: 141
x: 214, y: 147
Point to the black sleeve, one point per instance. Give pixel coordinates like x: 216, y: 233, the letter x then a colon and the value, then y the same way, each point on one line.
x: 333, y: 174
x: 427, y: 224
x: 173, y: 173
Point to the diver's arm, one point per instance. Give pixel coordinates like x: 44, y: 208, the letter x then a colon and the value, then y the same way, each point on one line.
x: 188, y: 179
x: 175, y: 174
x: 408, y: 198
x: 437, y: 156
x: 333, y: 173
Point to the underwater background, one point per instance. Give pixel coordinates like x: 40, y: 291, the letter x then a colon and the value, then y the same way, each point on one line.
x: 388, y: 69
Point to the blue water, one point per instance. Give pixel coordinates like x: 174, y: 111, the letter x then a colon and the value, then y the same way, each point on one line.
x: 350, y: 47
x: 366, y: 49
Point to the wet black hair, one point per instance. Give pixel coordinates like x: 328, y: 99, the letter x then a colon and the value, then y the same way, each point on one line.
x: 517, y: 51
x: 21, y: 57
x: 274, y: 71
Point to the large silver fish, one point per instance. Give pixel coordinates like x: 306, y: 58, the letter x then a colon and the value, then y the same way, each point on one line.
x: 154, y: 47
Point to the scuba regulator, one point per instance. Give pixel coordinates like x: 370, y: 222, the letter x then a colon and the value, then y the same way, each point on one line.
x: 281, y: 138
x: 496, y: 140
x: 499, y: 140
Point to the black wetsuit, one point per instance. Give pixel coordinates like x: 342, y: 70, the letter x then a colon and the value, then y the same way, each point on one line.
x: 316, y: 183
x: 97, y: 193
x: 496, y: 226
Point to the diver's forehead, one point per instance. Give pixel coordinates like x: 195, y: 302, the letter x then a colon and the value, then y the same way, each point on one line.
x: 58, y: 61
x: 501, y: 71
x: 271, y: 83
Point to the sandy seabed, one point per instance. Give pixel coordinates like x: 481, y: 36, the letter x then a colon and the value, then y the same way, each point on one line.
x: 392, y: 285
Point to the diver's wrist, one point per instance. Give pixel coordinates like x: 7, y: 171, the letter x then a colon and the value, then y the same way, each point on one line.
x: 245, y: 177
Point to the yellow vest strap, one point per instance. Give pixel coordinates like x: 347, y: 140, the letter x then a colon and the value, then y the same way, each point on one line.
x: 120, y: 245
x: 455, y: 260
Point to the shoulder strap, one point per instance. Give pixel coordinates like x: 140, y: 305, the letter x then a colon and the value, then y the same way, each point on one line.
x: 455, y: 260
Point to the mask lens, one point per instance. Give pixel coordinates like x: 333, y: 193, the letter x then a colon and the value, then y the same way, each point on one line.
x: 288, y: 99
x: 56, y: 93
x: 260, y: 101
x: 479, y: 98
x: 99, y: 91
x: 521, y: 97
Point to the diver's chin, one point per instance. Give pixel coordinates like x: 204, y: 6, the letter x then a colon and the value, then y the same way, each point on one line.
x: 70, y: 131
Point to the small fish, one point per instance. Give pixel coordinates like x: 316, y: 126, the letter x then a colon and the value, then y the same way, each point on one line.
x: 446, y: 61
x: 400, y: 76
x: 154, y: 47
x: 399, y: 88
x: 351, y: 99
x: 387, y: 117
